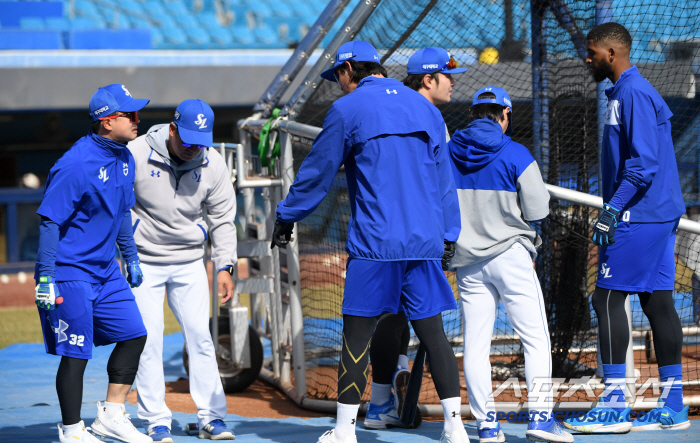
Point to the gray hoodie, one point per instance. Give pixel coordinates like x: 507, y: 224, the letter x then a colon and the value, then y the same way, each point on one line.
x: 171, y: 203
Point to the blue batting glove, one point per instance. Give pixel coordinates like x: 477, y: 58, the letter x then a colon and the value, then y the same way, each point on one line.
x: 604, y: 229
x: 133, y: 274
x: 46, y: 294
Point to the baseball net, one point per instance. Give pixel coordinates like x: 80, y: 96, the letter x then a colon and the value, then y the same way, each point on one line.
x: 493, y: 39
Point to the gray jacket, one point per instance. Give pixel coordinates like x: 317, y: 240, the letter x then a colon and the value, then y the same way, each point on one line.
x: 500, y: 190
x: 172, y: 202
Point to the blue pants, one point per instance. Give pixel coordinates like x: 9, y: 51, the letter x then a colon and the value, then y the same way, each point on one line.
x: 641, y: 259
x: 99, y: 313
x: 418, y: 287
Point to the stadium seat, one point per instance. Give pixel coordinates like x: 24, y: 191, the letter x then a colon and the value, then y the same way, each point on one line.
x: 177, y: 8
x: 31, y: 23
x: 86, y: 23
x: 266, y: 38
x: 57, y: 23
x: 157, y: 38
x: 130, y: 6
x: 243, y: 36
x: 154, y: 9
x: 109, y: 39
x: 174, y: 38
x: 85, y: 8
x: 198, y: 38
x: 18, y: 39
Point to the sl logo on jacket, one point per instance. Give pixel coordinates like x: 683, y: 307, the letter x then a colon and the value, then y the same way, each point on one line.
x: 197, y: 176
x: 605, y: 270
x: 103, y: 175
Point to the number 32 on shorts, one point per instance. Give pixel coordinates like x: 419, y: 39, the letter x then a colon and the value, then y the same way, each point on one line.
x: 76, y: 340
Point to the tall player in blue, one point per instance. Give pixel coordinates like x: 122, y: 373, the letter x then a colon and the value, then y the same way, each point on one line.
x: 636, y: 232
x: 82, y: 296
x: 404, y: 207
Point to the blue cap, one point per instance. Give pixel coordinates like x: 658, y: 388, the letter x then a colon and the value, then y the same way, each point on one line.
x: 195, y: 122
x: 356, y: 50
x: 502, y: 98
x: 430, y: 60
x: 112, y: 98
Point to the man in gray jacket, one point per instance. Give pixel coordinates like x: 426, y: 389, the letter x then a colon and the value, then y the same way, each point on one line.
x: 178, y: 178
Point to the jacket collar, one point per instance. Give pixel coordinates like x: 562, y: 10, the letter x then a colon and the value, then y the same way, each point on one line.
x: 627, y: 74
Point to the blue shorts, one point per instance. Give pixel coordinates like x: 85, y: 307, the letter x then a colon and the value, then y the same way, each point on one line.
x: 99, y: 313
x: 418, y: 287
x: 641, y: 259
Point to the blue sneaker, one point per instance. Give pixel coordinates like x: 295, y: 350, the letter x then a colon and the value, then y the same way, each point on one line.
x: 548, y: 431
x: 216, y: 430
x: 382, y: 416
x: 660, y: 418
x: 602, y: 420
x: 161, y: 434
x: 492, y: 435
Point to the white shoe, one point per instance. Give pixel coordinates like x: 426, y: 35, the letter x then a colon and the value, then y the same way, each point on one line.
x: 118, y: 427
x: 329, y: 437
x: 458, y: 436
x: 84, y: 437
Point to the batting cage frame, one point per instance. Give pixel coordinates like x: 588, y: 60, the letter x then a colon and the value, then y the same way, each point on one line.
x: 563, y: 114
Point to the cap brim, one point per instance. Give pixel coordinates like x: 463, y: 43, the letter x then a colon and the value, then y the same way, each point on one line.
x: 136, y: 104
x: 195, y: 137
x: 329, y: 74
x: 454, y: 71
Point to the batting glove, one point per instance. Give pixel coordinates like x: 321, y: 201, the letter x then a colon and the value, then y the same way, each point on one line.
x: 133, y: 274
x: 605, y: 227
x: 46, y: 294
x: 448, y: 255
x: 282, y: 234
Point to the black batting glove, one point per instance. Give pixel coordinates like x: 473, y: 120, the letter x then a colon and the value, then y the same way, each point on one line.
x: 281, y: 234
x: 448, y: 255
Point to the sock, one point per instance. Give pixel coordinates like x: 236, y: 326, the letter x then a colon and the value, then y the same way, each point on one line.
x: 674, y: 400
x: 451, y: 407
x: 71, y: 430
x: 345, y: 423
x: 403, y: 362
x: 113, y: 409
x: 380, y: 394
x: 614, y: 384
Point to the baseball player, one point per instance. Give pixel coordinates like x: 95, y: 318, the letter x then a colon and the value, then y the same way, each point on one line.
x: 500, y: 193
x: 184, y: 195
x: 83, y: 298
x: 636, y: 232
x: 430, y: 73
x: 404, y: 207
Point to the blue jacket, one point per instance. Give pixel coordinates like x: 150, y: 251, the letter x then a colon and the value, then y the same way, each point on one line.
x: 500, y: 190
x: 88, y: 193
x: 402, y: 194
x: 637, y: 147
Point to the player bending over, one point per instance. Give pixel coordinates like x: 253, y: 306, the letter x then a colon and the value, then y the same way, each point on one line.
x: 179, y: 180
x: 82, y: 296
x: 430, y: 73
x: 636, y: 232
x: 501, y: 192
x: 404, y: 206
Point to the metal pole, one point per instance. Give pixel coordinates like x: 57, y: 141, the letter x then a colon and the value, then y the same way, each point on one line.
x: 350, y: 28
x: 540, y: 92
x: 242, y: 174
x: 296, y: 62
x: 603, y: 14
x: 629, y: 359
x: 294, y: 275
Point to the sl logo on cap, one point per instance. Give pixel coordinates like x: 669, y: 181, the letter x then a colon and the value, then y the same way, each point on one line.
x: 177, y: 115
x: 201, y: 121
x: 126, y: 91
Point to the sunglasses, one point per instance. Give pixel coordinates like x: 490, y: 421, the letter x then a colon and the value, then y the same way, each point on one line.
x: 451, y: 64
x: 187, y: 145
x: 132, y: 116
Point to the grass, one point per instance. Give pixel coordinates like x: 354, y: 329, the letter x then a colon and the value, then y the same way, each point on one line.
x: 22, y: 325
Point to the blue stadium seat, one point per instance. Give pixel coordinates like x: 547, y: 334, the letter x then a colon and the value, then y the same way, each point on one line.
x: 186, y: 21
x: 283, y: 10
x: 198, y: 38
x: 131, y: 6
x: 109, y: 39
x: 85, y: 8
x: 261, y: 10
x: 123, y: 21
x: 31, y: 23
x: 154, y: 9
x: 174, y: 38
x: 57, y: 23
x: 243, y: 36
x: 157, y: 38
x: 86, y: 23
x: 266, y: 38
x: 177, y: 8
x: 139, y: 23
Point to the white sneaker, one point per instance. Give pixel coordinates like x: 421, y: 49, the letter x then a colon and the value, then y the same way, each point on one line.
x: 458, y: 436
x: 119, y: 427
x: 329, y: 437
x: 84, y: 437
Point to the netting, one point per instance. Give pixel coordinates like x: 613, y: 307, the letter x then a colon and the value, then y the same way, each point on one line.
x: 493, y: 39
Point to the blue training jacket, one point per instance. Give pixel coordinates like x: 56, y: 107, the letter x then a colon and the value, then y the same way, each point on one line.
x: 88, y: 193
x: 637, y: 147
x: 400, y: 184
